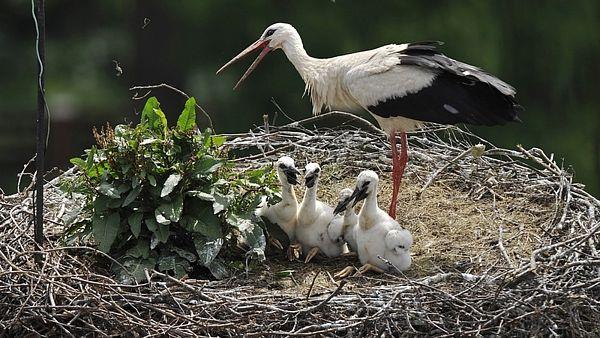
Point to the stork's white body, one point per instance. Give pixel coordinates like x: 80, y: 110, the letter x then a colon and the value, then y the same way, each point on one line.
x: 401, y: 85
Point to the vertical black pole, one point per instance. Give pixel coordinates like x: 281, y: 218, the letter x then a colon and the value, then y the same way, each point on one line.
x: 40, y: 122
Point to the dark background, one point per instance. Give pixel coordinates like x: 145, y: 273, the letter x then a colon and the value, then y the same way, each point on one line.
x: 548, y: 50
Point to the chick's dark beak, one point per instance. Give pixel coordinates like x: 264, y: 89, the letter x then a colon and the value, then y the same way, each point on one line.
x: 310, y: 180
x: 291, y: 175
x: 359, y: 194
x: 342, y: 205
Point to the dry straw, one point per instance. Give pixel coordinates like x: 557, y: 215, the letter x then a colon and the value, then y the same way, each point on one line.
x: 505, y: 244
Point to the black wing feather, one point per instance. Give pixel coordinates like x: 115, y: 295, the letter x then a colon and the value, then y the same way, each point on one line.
x: 460, y: 93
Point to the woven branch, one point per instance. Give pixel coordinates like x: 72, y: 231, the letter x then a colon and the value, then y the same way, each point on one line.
x: 553, y: 291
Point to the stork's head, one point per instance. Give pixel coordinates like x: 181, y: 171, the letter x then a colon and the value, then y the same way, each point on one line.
x: 344, y: 201
x: 286, y: 170
x: 366, y: 184
x: 272, y: 38
x: 311, y: 175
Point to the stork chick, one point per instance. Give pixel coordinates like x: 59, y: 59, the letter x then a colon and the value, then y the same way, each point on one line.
x: 343, y: 226
x: 378, y: 235
x: 314, y: 218
x: 284, y: 213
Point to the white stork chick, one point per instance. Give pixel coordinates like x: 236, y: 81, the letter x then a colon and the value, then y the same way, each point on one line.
x: 378, y: 235
x: 314, y: 218
x: 343, y: 226
x: 401, y: 85
x: 284, y: 213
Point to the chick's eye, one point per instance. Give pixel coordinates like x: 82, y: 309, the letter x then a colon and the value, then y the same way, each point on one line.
x: 282, y: 166
x: 269, y: 32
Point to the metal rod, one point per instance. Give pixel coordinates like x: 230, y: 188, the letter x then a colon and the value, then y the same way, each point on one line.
x: 39, y: 11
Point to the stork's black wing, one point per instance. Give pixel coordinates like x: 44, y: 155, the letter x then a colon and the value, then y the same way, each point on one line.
x: 457, y: 93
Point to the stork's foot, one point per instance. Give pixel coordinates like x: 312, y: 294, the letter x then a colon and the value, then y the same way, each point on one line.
x: 294, y: 251
x: 276, y: 243
x: 345, y: 272
x: 311, y: 253
x: 368, y: 267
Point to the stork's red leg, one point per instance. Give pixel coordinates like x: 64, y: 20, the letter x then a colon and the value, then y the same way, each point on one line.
x: 398, y: 166
x: 395, y: 183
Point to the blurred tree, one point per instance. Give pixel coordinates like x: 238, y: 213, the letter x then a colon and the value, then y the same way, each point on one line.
x: 547, y: 49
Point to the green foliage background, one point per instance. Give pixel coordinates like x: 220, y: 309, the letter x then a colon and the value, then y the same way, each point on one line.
x: 549, y: 50
x: 167, y: 198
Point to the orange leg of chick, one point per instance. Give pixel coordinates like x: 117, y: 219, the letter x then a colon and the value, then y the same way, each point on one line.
x: 368, y: 267
x: 294, y: 251
x: 311, y: 253
x: 345, y: 272
x: 398, y: 166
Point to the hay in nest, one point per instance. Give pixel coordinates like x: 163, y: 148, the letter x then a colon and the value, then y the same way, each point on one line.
x: 505, y: 244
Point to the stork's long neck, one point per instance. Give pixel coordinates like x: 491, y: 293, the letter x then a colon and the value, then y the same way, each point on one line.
x: 295, y: 52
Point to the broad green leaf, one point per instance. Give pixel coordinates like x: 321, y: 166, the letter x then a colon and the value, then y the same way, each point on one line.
x: 149, y: 141
x: 140, y: 250
x: 135, y: 223
x: 161, y: 123
x: 206, y: 165
x: 285, y: 273
x: 170, y: 184
x: 133, y: 194
x: 201, y: 195
x: 105, y: 230
x: 152, y: 180
x: 153, y: 116
x: 154, y: 241
x: 162, y: 233
x: 170, y: 211
x: 135, y: 182
x: 251, y: 233
x: 191, y: 257
x: 218, y: 140
x: 148, y: 116
x: 160, y: 218
x: 200, y: 218
x: 109, y: 190
x: 151, y: 224
x: 218, y: 269
x: 221, y: 202
x: 101, y: 204
x: 135, y: 267
x: 274, y: 230
x: 174, y: 263
x: 187, y: 119
x: 207, y: 249
x: 79, y: 163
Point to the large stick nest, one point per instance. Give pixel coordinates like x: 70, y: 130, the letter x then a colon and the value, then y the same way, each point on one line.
x: 505, y: 243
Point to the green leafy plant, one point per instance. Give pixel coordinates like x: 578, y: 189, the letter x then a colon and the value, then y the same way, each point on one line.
x: 167, y: 198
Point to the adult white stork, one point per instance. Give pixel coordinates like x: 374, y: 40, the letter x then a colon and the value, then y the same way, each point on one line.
x: 402, y: 86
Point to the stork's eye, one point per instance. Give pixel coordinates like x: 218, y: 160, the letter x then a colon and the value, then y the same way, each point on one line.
x: 269, y: 32
x: 317, y: 171
x: 366, y: 184
x: 282, y: 166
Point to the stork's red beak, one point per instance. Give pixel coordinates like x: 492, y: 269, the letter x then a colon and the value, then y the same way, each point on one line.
x: 260, y: 43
